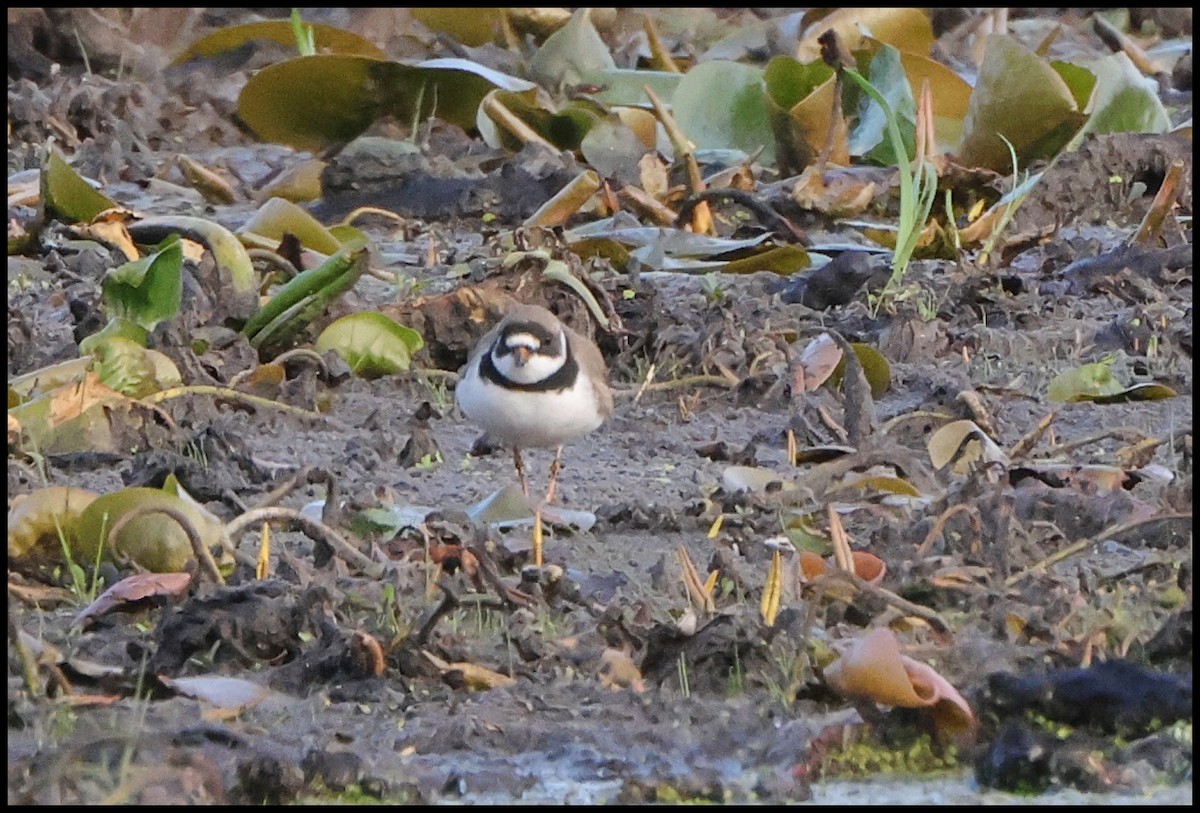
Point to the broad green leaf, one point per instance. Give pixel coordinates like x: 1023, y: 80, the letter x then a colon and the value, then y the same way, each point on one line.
x: 963, y: 441
x: 312, y: 102
x: 875, y: 368
x: 800, y: 101
x: 131, y: 369
x: 783, y: 260
x: 1126, y: 101
x: 1149, y: 391
x: 39, y: 523
x: 1024, y: 98
x: 951, y: 93
x: 571, y: 53
x: 372, y: 344
x: 65, y: 194
x: 46, y: 378
x: 470, y: 26
x: 149, y: 290
x: 723, y: 105
x: 277, y: 217
x: 886, y: 484
x: 153, y: 540
x: 233, y: 263
x: 1096, y: 382
x: 868, y: 138
x: 623, y: 87
x: 908, y: 29
x: 118, y: 327
x: 328, y: 40
x: 1084, y: 383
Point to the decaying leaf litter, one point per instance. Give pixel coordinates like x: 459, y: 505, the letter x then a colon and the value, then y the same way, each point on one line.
x: 971, y: 474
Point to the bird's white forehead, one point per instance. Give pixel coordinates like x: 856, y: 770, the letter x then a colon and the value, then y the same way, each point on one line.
x: 515, y: 340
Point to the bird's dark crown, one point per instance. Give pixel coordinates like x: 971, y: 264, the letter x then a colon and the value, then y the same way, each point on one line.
x: 547, y: 345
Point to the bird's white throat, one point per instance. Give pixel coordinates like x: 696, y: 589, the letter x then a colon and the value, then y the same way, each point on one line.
x: 537, y: 366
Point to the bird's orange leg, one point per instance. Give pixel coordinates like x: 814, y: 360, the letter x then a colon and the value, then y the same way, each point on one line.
x: 520, y: 466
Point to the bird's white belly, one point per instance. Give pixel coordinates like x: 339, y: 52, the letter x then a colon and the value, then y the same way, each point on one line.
x: 527, y: 418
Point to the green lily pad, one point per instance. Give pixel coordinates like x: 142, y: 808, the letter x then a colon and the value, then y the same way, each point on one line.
x: 371, y: 343
x: 1126, y: 100
x: 875, y: 367
x: 723, y: 105
x: 118, y: 327
x: 470, y: 26
x: 314, y: 101
x: 800, y: 101
x: 571, y: 53
x: 65, y: 194
x: 153, y: 541
x: 1036, y: 105
x: 327, y: 39
x: 1084, y: 383
x: 277, y: 217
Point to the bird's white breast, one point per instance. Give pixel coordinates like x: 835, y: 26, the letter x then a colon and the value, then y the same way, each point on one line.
x: 528, y: 417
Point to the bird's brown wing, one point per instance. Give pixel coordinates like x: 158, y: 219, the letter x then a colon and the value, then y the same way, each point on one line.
x: 592, y: 360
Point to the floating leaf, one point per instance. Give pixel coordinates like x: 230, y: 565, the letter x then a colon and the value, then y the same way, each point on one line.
x: 278, y: 217
x: 117, y: 328
x: 1095, y: 382
x: 571, y: 53
x: 1084, y: 383
x: 947, y: 444
x: 875, y: 368
x: 149, y: 290
x: 1037, y: 106
x: 800, y: 102
x: 783, y: 260
x: 46, y: 378
x: 951, y: 93
x: 723, y: 105
x: 314, y: 101
x: 371, y: 343
x: 72, y: 417
x: 622, y: 87
x: 868, y: 138
x: 133, y: 370
x: 1138, y: 392
x: 470, y: 26
x: 65, y: 194
x: 40, y: 524
x: 908, y: 29
x: 153, y: 541
x: 327, y: 39
x: 1126, y: 100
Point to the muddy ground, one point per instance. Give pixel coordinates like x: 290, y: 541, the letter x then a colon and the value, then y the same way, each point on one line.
x: 599, y: 678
